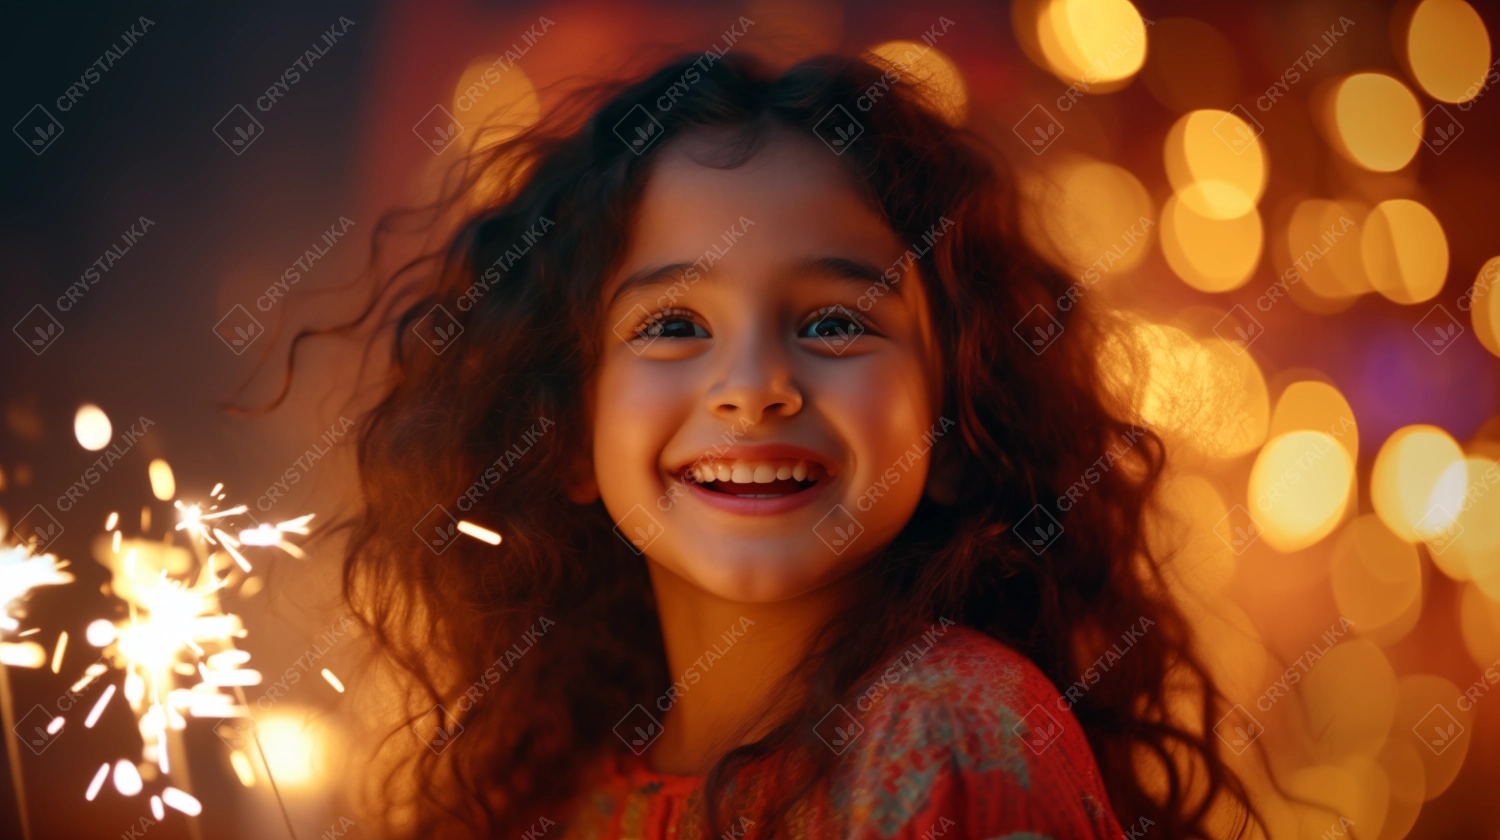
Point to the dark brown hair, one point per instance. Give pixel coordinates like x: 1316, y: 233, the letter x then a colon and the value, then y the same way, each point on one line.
x: 1028, y: 425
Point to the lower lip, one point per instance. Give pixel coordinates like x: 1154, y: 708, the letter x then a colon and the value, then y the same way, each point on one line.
x: 755, y: 507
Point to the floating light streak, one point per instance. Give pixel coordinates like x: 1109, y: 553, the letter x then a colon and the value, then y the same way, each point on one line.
x: 479, y: 532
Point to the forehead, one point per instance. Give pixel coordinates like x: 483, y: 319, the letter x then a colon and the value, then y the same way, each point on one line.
x: 792, y: 200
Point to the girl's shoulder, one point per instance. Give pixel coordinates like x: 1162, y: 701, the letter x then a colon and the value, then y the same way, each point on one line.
x: 959, y: 731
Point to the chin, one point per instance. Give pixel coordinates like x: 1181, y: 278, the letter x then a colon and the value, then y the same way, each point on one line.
x: 748, y: 576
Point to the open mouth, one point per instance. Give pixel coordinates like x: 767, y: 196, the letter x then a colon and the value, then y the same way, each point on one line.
x: 770, y: 478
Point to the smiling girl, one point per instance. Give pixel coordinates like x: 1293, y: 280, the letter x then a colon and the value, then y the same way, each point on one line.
x: 775, y: 567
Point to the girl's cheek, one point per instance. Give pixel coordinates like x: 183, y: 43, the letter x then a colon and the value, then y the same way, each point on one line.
x: 638, y: 408
x: 878, y: 386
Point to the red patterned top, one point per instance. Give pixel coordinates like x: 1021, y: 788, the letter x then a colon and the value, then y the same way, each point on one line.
x: 960, y: 737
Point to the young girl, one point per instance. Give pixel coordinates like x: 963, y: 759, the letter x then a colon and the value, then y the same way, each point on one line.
x: 746, y: 379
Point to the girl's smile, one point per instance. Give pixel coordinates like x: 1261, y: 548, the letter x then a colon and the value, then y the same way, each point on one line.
x: 759, y: 480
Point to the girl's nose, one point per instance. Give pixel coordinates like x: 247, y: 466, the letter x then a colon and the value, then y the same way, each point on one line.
x: 757, y: 384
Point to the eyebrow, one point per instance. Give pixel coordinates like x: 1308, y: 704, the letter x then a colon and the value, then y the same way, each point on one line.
x: 855, y: 272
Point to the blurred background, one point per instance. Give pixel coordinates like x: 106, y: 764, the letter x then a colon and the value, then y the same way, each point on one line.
x: 1291, y: 203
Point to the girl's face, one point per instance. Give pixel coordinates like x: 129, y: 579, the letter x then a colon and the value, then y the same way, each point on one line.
x: 765, y: 394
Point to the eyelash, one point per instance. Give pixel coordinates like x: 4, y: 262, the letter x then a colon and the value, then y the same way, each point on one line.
x: 863, y: 322
x: 663, y: 318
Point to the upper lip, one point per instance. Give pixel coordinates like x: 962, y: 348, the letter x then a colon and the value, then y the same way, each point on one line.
x: 760, y: 452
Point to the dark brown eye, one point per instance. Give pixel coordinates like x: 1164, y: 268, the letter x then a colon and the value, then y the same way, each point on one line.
x: 671, y: 324
x: 834, y: 323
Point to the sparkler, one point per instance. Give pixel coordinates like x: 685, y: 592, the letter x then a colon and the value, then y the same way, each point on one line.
x: 175, y: 646
x: 20, y: 572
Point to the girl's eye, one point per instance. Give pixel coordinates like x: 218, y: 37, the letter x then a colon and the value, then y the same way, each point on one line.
x: 674, y: 323
x: 834, y: 323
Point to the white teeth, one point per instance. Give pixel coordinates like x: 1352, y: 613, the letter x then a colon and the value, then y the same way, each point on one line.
x: 754, y: 472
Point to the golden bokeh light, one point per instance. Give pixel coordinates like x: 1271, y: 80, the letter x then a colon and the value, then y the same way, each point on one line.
x: 1427, y: 715
x: 163, y: 484
x: 1202, y: 395
x: 1483, y: 302
x: 91, y: 427
x: 1376, y: 575
x: 1095, y: 42
x: 1470, y: 550
x: 1323, y: 245
x: 1318, y: 406
x: 1375, y: 116
x: 1406, y: 486
x: 1343, y: 729
x: 494, y: 100
x: 1216, y: 151
x: 298, y: 747
x: 1355, y: 791
x: 1406, y: 776
x: 1479, y: 620
x: 1092, y: 215
x: 1404, y: 250
x: 1209, y: 254
x: 934, y: 75
x: 1448, y: 49
x: 1300, y: 488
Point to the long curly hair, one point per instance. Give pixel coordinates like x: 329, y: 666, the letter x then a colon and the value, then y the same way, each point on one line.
x: 553, y: 635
